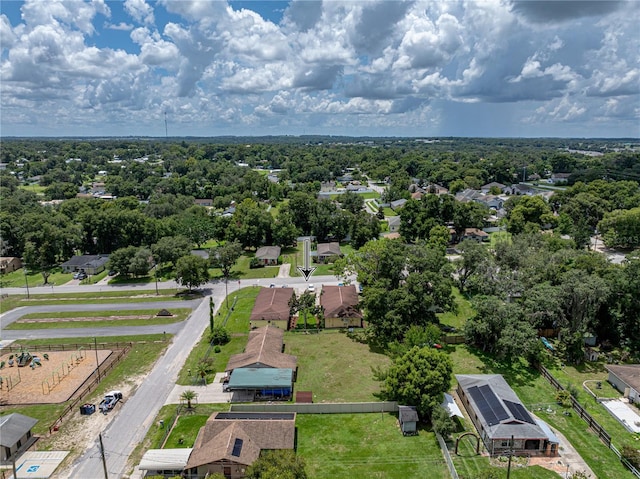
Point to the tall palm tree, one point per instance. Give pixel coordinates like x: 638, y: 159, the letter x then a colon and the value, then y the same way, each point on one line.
x: 188, y: 396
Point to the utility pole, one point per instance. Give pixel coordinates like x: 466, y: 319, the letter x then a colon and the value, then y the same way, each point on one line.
x: 26, y: 281
x: 95, y: 347
x: 510, y: 456
x: 104, y: 460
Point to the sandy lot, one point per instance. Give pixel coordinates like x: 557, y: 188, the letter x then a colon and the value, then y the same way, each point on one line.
x: 53, y: 382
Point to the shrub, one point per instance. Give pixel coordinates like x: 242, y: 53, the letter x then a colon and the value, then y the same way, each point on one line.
x: 632, y: 455
x: 219, y: 335
x: 563, y: 397
x: 217, y: 349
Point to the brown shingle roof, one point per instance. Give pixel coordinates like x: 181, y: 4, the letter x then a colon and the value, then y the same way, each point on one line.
x: 217, y: 438
x: 329, y: 249
x: 629, y: 373
x: 272, y: 304
x: 264, y: 348
x: 340, y: 302
x: 268, y: 252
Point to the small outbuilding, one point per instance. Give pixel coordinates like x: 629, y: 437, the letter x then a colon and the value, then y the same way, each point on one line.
x: 15, y: 435
x: 408, y: 419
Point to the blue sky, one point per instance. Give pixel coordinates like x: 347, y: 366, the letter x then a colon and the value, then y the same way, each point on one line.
x: 382, y: 68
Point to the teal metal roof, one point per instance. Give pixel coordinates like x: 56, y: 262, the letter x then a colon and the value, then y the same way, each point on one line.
x: 257, y: 378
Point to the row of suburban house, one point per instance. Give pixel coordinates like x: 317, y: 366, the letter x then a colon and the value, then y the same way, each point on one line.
x: 340, y: 305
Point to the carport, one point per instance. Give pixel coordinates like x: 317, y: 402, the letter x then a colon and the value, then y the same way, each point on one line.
x: 264, y: 383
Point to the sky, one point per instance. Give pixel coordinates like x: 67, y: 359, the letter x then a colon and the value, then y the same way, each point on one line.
x: 484, y: 68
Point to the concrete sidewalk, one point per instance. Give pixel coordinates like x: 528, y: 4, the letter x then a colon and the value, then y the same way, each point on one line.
x: 209, y: 394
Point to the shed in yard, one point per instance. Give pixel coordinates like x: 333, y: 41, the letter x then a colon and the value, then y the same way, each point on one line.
x: 408, y: 418
x: 15, y: 435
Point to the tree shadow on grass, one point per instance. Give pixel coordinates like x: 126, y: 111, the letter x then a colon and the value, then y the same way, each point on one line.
x: 516, y: 371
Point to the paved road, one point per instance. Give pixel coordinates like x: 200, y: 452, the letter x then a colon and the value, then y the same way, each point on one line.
x: 129, y: 427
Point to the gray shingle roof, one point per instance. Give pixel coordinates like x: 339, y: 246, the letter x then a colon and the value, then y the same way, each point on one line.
x: 13, y: 427
x: 509, y: 426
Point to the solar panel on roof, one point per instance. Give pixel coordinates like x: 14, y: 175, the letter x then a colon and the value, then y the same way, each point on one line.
x: 494, y: 402
x: 519, y: 412
x: 237, y: 447
x: 488, y: 404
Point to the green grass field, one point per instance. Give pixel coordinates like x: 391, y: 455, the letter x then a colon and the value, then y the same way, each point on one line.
x: 17, y: 279
x: 79, y: 319
x: 366, y: 446
x: 334, y: 367
x: 497, y: 237
x: 459, y: 317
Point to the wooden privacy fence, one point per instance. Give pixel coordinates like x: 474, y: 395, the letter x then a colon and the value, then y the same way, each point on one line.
x: 593, y: 424
x: 90, y: 384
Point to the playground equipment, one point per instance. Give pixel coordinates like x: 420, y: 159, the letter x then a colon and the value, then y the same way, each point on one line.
x: 24, y: 358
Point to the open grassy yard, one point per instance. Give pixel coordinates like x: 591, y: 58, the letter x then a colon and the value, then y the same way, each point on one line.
x: 17, y: 279
x: 334, y: 367
x: 497, y: 237
x: 537, y: 395
x: 366, y: 446
x: 459, y: 317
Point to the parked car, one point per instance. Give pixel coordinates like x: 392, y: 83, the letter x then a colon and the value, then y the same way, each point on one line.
x: 82, y: 276
x: 76, y: 275
x: 109, y: 401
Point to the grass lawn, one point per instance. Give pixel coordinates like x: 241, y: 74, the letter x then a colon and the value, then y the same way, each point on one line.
x: 594, y: 372
x: 497, y: 237
x: 34, y: 188
x: 389, y: 212
x: 321, y: 269
x: 16, y: 279
x: 366, y: 446
x: 77, y: 319
x: 537, y: 394
x: 237, y: 324
x: 139, y: 360
x: 98, y: 297
x: 470, y: 466
x: 463, y: 312
x: 334, y: 367
x: 241, y: 270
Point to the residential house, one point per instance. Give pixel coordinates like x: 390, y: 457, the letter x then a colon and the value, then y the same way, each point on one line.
x: 207, y: 202
x: 325, y: 251
x: 15, y: 435
x: 9, y: 264
x: 491, y: 201
x: 272, y: 307
x: 340, y: 304
x: 418, y: 194
x: 520, y: 189
x: 499, y: 415
x: 397, y: 204
x: 467, y: 195
x: 230, y: 442
x: 485, y: 189
x: 436, y: 189
x: 268, y: 255
x: 394, y: 223
x: 626, y: 379
x: 475, y: 234
x: 263, y: 350
x: 408, y: 419
x: 87, y: 263
x: 559, y: 178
